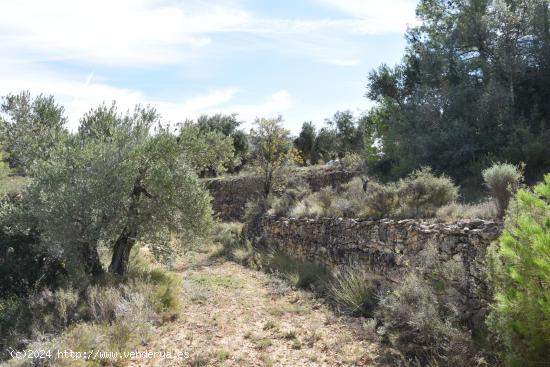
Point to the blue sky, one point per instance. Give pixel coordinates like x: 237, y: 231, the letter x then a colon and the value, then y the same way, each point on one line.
x: 302, y: 59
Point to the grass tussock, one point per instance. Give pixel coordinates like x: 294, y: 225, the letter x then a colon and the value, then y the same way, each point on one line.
x: 354, y: 291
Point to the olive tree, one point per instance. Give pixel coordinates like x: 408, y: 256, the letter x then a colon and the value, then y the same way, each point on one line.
x: 116, y: 186
x: 271, y: 147
x: 30, y: 128
x: 227, y: 125
x: 209, y: 152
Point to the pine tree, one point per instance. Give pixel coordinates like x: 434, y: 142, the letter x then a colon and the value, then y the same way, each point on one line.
x: 520, y: 272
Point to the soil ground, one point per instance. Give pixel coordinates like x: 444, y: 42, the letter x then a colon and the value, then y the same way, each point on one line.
x: 235, y: 316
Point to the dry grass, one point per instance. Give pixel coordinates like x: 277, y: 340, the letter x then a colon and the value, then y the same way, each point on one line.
x: 231, y: 316
x: 456, y: 211
x: 112, y: 315
x: 241, y: 321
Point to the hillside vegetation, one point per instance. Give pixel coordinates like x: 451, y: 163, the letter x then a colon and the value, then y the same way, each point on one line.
x: 108, y: 238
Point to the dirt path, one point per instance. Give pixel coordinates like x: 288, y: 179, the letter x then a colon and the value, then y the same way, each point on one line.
x: 235, y: 316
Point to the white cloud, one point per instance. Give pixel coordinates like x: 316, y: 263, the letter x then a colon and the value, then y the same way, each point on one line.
x: 121, y: 32
x: 79, y: 93
x: 134, y: 33
x: 39, y: 38
x: 377, y: 16
x: 277, y: 103
x: 212, y: 99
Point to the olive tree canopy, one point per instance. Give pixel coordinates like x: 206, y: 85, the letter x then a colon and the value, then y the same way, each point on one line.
x: 121, y: 179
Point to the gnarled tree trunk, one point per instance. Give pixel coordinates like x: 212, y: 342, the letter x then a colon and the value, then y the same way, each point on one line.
x: 121, y: 252
x: 127, y: 239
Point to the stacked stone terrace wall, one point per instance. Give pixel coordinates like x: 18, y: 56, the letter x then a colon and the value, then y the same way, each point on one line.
x: 391, y: 248
x: 231, y: 194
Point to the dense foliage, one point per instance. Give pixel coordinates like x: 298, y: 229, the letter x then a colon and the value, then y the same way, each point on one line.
x: 228, y: 126
x: 113, y: 184
x: 30, y: 129
x: 472, y: 88
x: 209, y: 152
x: 343, y: 134
x: 520, y: 271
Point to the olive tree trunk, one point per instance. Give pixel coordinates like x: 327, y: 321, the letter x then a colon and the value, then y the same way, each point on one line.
x: 121, y: 252
x: 92, y: 263
x: 127, y: 238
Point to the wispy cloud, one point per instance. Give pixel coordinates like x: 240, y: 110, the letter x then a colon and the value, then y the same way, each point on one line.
x: 377, y: 16
x: 78, y: 94
x: 212, y: 99
x: 151, y: 32
x: 276, y: 104
x: 122, y: 32
x: 76, y: 48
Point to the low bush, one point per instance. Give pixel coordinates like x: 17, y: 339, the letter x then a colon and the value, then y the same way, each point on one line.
x: 282, y: 205
x: 351, y: 161
x: 121, y: 310
x: 423, y: 330
x: 308, y: 207
x: 228, y: 235
x: 381, y: 200
x: 354, y: 291
x: 520, y: 274
x: 422, y: 193
x: 254, y: 210
x: 25, y: 265
x: 502, y: 179
x: 419, y: 195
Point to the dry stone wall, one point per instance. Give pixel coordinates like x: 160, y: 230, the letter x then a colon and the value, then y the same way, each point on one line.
x: 391, y: 248
x: 231, y: 194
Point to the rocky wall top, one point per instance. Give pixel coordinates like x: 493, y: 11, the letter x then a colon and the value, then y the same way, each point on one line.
x: 232, y: 193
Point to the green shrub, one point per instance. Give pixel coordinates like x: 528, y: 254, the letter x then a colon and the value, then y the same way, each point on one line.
x: 354, y: 291
x: 520, y: 274
x: 25, y: 263
x: 350, y: 199
x: 422, y: 193
x: 229, y: 236
x: 15, y: 320
x: 325, y: 197
x: 317, y: 204
x: 381, y: 200
x: 424, y: 331
x: 503, y: 180
x: 102, y: 303
x: 254, y: 210
x: 125, y: 309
